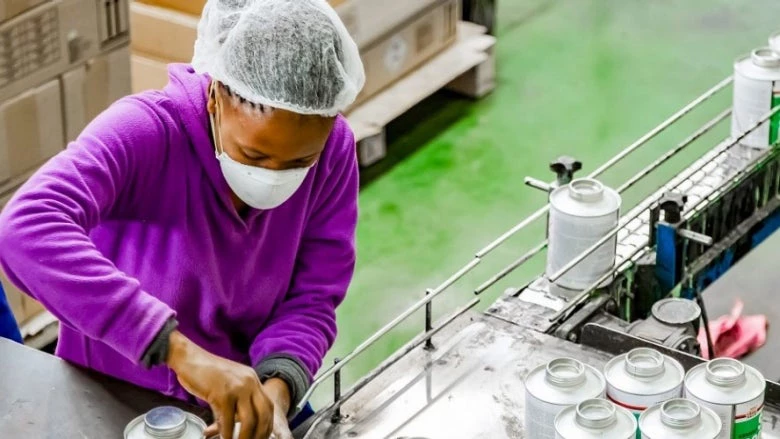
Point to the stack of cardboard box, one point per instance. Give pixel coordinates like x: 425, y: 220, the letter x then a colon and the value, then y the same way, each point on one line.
x: 61, y: 63
x: 394, y: 37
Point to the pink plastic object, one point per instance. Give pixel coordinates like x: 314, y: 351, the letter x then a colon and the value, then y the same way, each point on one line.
x: 734, y: 336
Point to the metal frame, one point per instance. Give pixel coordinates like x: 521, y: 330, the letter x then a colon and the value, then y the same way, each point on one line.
x: 630, y: 223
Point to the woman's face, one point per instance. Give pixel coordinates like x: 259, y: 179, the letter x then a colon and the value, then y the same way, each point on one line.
x: 274, y: 139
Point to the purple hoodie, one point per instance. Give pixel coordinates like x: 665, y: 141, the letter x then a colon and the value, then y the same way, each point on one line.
x: 133, y: 224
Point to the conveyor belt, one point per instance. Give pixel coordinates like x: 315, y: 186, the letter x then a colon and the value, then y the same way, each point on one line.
x: 470, y: 387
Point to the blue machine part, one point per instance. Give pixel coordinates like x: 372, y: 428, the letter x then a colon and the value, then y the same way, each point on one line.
x: 669, y: 251
x: 8, y: 327
x: 668, y: 256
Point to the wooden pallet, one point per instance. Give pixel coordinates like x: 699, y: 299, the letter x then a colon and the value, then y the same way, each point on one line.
x: 468, y: 68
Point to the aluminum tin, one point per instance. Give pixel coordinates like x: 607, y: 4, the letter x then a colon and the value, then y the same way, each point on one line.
x: 171, y: 423
x: 756, y: 91
x: 551, y: 387
x: 734, y: 391
x: 581, y: 213
x: 595, y: 419
x: 642, y: 378
x: 774, y: 41
x: 679, y: 419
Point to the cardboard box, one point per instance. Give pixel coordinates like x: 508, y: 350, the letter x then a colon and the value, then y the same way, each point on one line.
x: 91, y: 88
x: 371, y: 20
x: 148, y: 74
x: 31, y: 129
x: 398, y: 54
x: 45, y: 42
x: 163, y: 33
x: 12, y: 8
x: 195, y: 7
x: 192, y: 7
x: 113, y: 21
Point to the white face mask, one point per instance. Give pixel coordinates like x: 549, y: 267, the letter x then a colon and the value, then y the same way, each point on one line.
x: 259, y: 188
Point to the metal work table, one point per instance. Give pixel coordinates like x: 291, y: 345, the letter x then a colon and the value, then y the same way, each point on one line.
x: 42, y: 397
x: 756, y: 280
x: 470, y: 386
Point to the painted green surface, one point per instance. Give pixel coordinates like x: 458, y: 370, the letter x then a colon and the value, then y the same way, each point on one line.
x: 577, y: 77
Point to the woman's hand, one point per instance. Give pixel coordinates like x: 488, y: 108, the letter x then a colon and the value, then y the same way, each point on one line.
x: 233, y: 390
x: 279, y: 392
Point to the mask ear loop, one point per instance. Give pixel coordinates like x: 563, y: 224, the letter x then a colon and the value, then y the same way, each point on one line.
x: 218, y: 150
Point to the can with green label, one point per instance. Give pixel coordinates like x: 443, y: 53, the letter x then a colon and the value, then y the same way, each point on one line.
x: 734, y: 391
x: 756, y: 91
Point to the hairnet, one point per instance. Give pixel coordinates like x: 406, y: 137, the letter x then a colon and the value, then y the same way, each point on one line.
x: 291, y: 54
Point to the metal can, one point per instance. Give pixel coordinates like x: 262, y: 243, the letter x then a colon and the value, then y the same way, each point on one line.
x: 756, y: 91
x: 165, y: 423
x: 679, y: 419
x: 551, y: 387
x: 734, y: 391
x: 774, y: 41
x: 595, y: 418
x: 642, y: 378
x: 581, y: 213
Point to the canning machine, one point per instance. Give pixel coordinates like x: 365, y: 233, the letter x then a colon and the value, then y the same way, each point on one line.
x: 463, y: 376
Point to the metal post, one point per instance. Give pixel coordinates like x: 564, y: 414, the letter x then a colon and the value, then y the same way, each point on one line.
x: 428, y: 322
x: 336, y: 418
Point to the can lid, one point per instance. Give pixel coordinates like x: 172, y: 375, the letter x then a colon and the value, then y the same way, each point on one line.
x: 765, y: 57
x: 680, y: 413
x: 585, y: 197
x: 165, y: 422
x: 675, y: 311
x: 725, y: 372
x: 596, y: 413
x: 566, y: 372
x: 594, y: 419
x: 644, y: 362
x: 564, y: 382
x: 679, y: 418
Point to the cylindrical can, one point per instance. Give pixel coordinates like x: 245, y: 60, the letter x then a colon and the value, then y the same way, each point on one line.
x: 679, y: 419
x: 581, y: 213
x: 551, y: 387
x: 595, y: 419
x: 756, y: 91
x: 774, y: 41
x: 642, y: 378
x: 734, y: 391
x: 165, y: 423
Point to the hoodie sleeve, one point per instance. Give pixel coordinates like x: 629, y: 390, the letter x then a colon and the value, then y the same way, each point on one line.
x: 44, y: 245
x: 303, y: 327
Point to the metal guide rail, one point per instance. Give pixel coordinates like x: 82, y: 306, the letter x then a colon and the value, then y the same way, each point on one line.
x: 702, y: 182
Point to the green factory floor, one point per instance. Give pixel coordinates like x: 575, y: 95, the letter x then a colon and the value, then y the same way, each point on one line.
x: 583, y: 78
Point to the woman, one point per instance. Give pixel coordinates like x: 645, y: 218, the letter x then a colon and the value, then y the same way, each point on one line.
x: 197, y: 240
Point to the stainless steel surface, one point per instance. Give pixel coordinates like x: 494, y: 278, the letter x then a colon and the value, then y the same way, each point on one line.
x: 469, y: 387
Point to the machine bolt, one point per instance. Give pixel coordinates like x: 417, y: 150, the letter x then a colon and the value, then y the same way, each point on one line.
x: 572, y: 337
x: 564, y: 168
x: 672, y: 204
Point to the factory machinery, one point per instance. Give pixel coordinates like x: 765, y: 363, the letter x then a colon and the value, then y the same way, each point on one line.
x: 463, y: 376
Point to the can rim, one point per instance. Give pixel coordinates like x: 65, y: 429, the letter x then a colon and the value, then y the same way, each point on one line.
x: 765, y: 57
